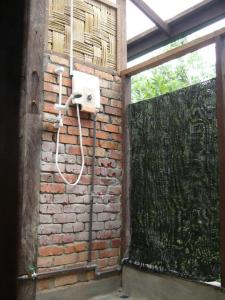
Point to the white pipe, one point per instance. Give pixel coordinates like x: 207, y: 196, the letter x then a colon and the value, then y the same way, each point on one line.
x: 71, y: 37
x: 81, y: 150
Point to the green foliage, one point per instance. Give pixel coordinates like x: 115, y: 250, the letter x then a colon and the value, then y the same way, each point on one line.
x: 172, y: 76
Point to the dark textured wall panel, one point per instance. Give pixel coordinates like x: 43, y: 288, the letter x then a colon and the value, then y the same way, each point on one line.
x: 174, y: 183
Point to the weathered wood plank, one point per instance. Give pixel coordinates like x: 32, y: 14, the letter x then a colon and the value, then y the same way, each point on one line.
x: 174, y: 53
x: 126, y: 83
x: 121, y: 35
x: 30, y: 146
x: 220, y: 79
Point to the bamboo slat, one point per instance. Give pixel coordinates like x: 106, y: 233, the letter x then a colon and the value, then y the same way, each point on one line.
x: 94, y: 31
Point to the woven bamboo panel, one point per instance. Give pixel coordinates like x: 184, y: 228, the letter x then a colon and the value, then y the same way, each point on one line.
x: 94, y: 31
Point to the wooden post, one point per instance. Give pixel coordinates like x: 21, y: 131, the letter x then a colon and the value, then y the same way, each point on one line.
x: 122, y: 62
x: 126, y: 83
x: 220, y: 79
x: 30, y: 145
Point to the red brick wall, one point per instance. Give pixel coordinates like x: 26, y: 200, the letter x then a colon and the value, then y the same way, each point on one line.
x: 64, y: 210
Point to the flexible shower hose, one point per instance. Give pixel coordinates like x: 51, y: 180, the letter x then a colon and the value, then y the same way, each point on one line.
x: 81, y: 150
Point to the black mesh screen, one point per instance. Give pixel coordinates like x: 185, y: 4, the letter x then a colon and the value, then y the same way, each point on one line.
x: 174, y: 183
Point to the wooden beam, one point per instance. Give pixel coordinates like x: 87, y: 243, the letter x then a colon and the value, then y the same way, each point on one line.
x: 189, y: 21
x: 220, y: 80
x: 152, y: 15
x: 30, y: 145
x: 121, y: 35
x: 174, y: 53
x: 126, y: 84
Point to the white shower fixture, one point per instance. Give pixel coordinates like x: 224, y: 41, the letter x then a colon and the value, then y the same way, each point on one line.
x: 86, y: 91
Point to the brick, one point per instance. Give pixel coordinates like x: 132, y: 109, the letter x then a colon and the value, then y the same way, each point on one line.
x: 66, y: 280
x: 73, y: 227
x: 64, y: 218
x: 79, y: 247
x: 105, y: 162
x: 48, y: 146
x: 49, y: 108
x: 105, y: 84
x: 109, y: 253
x: 77, y: 208
x: 104, y: 100
x: 51, y: 167
x: 88, y: 141
x: 46, y: 177
x: 113, y: 110
x: 100, y: 134
x: 99, y: 245
x: 104, y: 75
x: 102, y: 263
x: 113, y: 207
x: 75, y: 131
x: 115, y: 154
x: 51, y: 208
x: 54, y: 88
x: 44, y: 262
x: 97, y: 226
x: 43, y: 284
x: 47, y: 136
x: 112, y: 225
x: 54, y: 188
x: 83, y: 217
x: 61, y: 198
x: 59, y: 60
x: 69, y: 177
x: 110, y: 128
x: 50, y: 97
x: 50, y: 250
x: 115, y: 189
x: 109, y: 93
x: 116, y: 120
x: 109, y: 144
x: 69, y: 121
x: 82, y: 256
x: 49, y: 228
x: 113, y: 261
x: 65, y: 259
x: 116, y: 243
x: 82, y: 236
x: 103, y: 118
x: 98, y: 208
x: 50, y: 78
x: 116, y: 137
x: 104, y: 217
x: 99, y: 152
x: 46, y: 198
x: 67, y: 82
x: 47, y: 156
x: 75, y: 150
x: 116, y: 103
x: 45, y: 219
x: 104, y: 234
x: 78, y: 199
x: 85, y: 179
x: 67, y: 139
x: 83, y: 68
x: 78, y: 189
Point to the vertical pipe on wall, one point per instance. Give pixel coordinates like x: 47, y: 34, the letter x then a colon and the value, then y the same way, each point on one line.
x: 71, y: 37
x: 92, y: 194
x: 220, y: 80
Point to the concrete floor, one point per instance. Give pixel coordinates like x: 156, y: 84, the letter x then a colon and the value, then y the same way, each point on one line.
x: 117, y: 295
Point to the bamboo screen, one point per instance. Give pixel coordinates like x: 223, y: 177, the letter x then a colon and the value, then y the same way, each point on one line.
x: 174, y: 183
x: 94, y: 31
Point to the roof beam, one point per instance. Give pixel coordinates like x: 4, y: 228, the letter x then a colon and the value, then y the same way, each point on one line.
x: 189, y: 21
x: 152, y: 15
x: 174, y: 53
